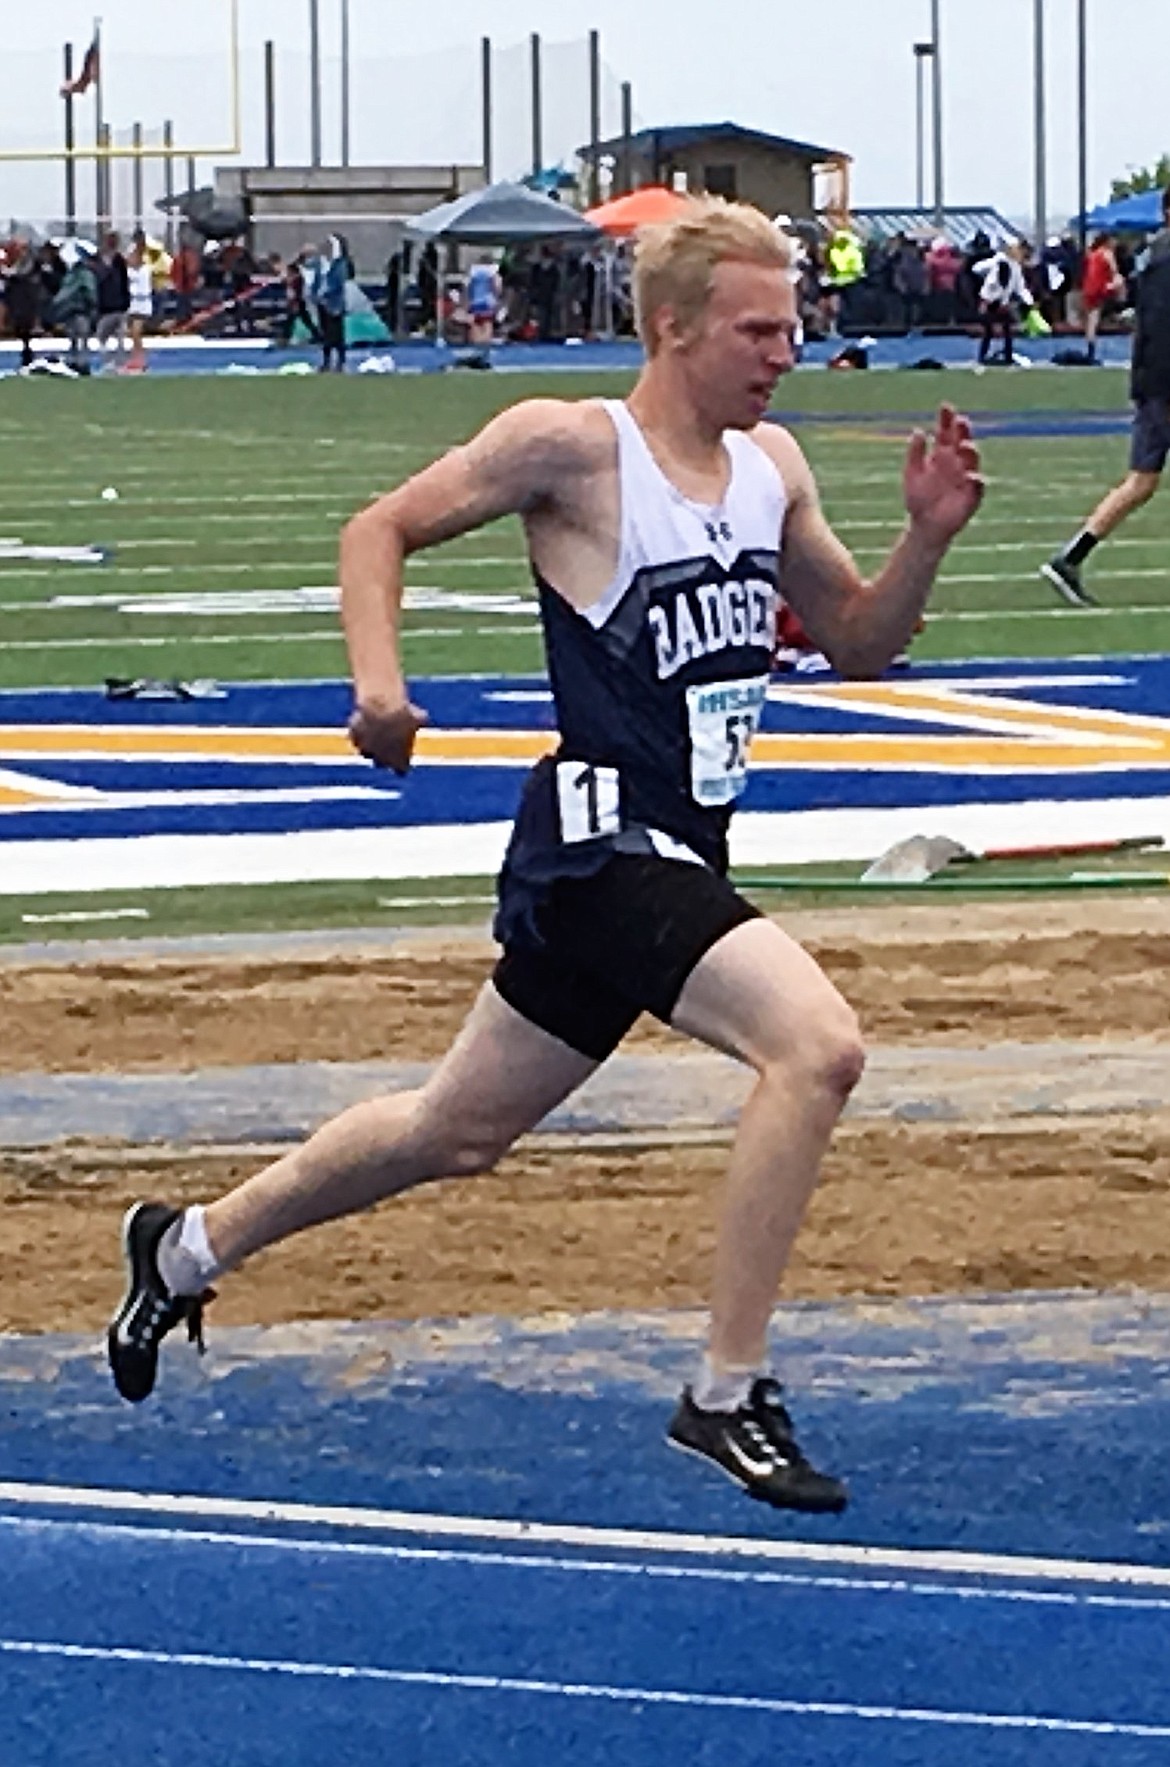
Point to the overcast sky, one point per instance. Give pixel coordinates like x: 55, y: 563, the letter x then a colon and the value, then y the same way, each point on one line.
x: 840, y: 75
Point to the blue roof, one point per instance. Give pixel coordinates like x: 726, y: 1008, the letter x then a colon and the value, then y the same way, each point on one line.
x: 675, y: 137
x: 1129, y: 214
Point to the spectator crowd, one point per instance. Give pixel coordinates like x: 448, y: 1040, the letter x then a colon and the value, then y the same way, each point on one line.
x: 848, y: 286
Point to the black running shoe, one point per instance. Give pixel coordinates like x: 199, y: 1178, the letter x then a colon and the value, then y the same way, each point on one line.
x: 1066, y: 580
x: 149, y: 1310
x: 756, y: 1446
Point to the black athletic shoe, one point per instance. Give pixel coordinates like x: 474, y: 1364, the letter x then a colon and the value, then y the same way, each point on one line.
x: 149, y: 1310
x: 756, y: 1446
x: 1066, y: 580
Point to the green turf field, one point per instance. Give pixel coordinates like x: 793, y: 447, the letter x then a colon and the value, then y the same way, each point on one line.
x: 236, y: 487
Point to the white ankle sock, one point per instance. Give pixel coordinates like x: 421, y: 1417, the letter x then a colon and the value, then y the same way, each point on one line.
x: 186, y: 1261
x: 718, y: 1387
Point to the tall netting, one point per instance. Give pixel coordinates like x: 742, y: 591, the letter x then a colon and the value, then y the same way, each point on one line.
x: 413, y: 110
x: 144, y: 84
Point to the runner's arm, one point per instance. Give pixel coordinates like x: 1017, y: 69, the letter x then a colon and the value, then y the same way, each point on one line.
x: 510, y: 466
x: 861, y: 624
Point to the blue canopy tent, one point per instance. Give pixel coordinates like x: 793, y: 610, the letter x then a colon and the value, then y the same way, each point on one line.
x: 1129, y: 214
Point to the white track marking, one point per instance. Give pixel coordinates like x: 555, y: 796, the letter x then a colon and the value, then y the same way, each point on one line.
x: 635, y: 1696
x: 397, y: 1521
x: 532, y: 1561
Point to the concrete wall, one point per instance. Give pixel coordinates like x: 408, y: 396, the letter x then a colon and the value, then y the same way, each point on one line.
x: 293, y: 206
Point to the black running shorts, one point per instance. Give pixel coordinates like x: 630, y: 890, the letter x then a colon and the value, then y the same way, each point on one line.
x: 616, y: 944
x: 1150, y: 437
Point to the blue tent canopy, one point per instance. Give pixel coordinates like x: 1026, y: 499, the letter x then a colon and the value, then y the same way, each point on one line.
x: 1129, y: 214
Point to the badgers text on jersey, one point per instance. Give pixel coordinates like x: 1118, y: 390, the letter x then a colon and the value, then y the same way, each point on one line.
x: 737, y: 611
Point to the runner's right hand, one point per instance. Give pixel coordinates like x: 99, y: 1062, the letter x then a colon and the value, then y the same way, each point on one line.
x: 385, y: 733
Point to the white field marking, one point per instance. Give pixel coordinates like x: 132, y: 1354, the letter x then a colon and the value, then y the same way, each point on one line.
x: 1125, y: 576
x: 12, y: 780
x: 168, y: 800
x: 68, y: 554
x: 146, y: 518
x: 432, y: 901
x: 594, y: 1567
x: 332, y: 634
x: 463, y: 1527
x: 179, y: 861
x: 200, y: 568
x: 289, y: 538
x: 813, y: 690
x: 389, y: 854
x: 182, y: 439
x: 991, y: 615
x: 636, y: 1696
x: 1023, y: 719
x: 158, y: 502
x: 964, y: 547
x: 846, y: 525
x: 309, y: 598
x: 87, y: 914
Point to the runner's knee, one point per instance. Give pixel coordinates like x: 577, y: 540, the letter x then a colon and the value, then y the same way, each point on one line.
x: 830, y: 1055
x: 1141, y: 487
x: 840, y: 1056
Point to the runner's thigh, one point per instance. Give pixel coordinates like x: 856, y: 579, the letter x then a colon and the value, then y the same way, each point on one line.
x: 502, y: 1074
x: 759, y: 996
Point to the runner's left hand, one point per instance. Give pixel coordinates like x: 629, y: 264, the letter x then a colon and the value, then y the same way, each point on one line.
x: 942, y: 483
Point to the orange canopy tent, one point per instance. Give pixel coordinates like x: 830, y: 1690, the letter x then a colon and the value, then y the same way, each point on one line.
x: 625, y: 214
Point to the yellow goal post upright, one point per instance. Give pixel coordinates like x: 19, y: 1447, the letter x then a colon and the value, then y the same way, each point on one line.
x: 106, y: 145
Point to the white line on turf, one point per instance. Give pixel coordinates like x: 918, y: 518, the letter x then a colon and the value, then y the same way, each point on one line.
x: 126, y: 1532
x: 86, y: 914
x: 99, y: 1499
x: 635, y: 1696
x: 331, y: 634
x: 801, y: 837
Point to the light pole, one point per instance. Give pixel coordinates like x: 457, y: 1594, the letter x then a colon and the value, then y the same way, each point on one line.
x: 923, y: 52
x: 345, y: 82
x: 936, y: 60
x: 314, y: 83
x: 1040, y: 216
x: 1082, y: 119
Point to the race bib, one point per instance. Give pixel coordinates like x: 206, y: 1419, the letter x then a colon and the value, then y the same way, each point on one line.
x: 723, y: 718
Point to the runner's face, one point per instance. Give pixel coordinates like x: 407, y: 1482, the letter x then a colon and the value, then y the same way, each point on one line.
x: 742, y: 344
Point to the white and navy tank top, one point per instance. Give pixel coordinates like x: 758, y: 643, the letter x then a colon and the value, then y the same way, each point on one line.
x: 658, y: 686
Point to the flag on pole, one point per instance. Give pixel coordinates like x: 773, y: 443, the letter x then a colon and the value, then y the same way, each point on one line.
x: 90, y: 73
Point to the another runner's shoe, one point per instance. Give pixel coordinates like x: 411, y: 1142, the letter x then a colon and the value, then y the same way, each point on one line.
x: 1066, y: 580
x: 755, y: 1444
x: 149, y: 1310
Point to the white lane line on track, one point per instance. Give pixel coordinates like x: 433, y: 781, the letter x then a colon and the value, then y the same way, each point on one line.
x: 636, y: 1696
x: 115, y: 1532
x: 97, y: 1499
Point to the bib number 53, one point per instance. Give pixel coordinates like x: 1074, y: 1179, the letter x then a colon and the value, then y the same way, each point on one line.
x: 723, y: 718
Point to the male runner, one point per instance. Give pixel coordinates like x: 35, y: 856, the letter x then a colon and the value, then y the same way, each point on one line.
x: 1150, y: 435
x: 660, y: 530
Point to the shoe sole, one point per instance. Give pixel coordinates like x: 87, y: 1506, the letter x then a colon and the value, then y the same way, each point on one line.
x: 748, y: 1490
x: 1074, y: 597
x: 112, y: 1342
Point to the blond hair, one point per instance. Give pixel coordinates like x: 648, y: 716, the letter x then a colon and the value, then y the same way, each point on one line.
x: 674, y: 260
